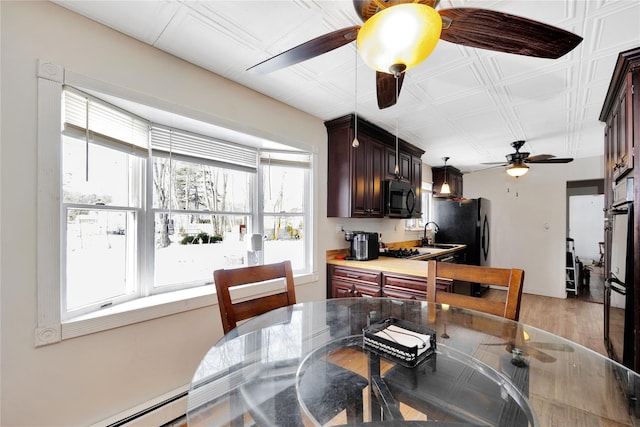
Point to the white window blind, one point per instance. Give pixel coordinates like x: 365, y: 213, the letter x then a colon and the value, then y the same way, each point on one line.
x: 285, y: 158
x: 102, y: 123
x: 190, y: 145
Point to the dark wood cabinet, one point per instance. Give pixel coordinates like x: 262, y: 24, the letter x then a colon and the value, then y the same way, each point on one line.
x: 355, y: 174
x: 345, y: 282
x: 404, y: 287
x: 404, y: 165
x: 454, y: 179
x: 348, y: 282
x: 619, y: 130
x: 621, y: 114
x: 366, y: 190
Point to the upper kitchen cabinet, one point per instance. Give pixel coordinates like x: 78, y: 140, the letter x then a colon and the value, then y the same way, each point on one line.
x: 404, y: 165
x: 355, y: 174
x: 620, y: 113
x: 453, y: 178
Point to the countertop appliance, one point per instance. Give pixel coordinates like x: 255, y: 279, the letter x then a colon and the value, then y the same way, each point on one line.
x: 399, y: 199
x: 465, y: 221
x: 364, y: 245
x: 619, y: 292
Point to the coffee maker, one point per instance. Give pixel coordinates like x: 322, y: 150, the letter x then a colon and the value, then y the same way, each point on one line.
x: 364, y: 245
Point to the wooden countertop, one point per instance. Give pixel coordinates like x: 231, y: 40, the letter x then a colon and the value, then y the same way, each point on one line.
x: 413, y: 267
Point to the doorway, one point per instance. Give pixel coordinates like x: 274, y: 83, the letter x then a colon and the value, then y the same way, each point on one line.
x: 585, y: 225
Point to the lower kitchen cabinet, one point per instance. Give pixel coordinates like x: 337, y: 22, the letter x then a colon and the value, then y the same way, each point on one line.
x: 352, y: 282
x: 404, y: 287
x: 345, y: 282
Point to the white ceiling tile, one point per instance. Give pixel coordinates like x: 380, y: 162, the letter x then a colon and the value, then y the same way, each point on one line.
x: 462, y: 102
x: 453, y: 83
x: 541, y: 87
x: 142, y: 20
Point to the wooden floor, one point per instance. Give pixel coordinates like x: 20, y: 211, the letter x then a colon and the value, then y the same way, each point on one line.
x: 571, y: 318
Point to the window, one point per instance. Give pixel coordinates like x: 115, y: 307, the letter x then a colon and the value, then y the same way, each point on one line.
x: 103, y: 168
x: 202, y: 206
x: 149, y: 208
x: 285, y: 191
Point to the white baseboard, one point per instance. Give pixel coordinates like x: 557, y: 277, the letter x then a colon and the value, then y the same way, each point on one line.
x: 154, y: 413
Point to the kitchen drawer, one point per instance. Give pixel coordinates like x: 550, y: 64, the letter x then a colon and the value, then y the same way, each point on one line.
x: 346, y: 289
x: 347, y: 282
x: 410, y: 287
x: 361, y: 276
x: 401, y: 286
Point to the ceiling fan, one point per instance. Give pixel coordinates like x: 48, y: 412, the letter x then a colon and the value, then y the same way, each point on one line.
x: 517, y: 161
x: 386, y: 46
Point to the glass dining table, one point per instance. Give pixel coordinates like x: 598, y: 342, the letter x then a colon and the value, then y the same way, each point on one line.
x: 463, y: 368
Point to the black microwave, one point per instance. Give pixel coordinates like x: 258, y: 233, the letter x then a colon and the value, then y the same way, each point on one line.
x: 399, y: 199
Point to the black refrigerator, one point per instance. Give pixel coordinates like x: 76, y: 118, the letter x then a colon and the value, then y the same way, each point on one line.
x: 464, y: 221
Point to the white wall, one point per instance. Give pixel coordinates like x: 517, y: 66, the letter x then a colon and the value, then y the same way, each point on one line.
x: 84, y: 380
x: 528, y: 219
x: 586, y: 225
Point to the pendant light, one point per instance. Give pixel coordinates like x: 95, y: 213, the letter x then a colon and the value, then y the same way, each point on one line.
x: 355, y: 143
x: 396, y: 171
x: 445, y: 187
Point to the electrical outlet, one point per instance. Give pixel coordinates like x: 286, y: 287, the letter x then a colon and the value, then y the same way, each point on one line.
x: 339, y: 228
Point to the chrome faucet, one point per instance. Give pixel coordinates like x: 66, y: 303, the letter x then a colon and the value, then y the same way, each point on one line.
x: 425, y: 241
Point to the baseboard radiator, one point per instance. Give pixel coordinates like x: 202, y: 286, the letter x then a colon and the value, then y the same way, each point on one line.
x: 166, y: 410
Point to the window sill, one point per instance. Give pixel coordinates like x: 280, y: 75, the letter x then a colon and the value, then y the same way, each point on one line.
x: 153, y: 307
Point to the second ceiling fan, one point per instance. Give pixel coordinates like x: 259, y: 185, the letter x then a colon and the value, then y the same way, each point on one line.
x: 517, y: 161
x: 399, y: 34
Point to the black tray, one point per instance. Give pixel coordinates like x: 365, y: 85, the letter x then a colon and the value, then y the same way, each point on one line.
x: 395, y: 351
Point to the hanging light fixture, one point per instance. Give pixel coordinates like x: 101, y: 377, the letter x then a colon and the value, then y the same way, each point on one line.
x: 517, y: 169
x: 397, y: 168
x: 445, y: 186
x: 399, y: 37
x: 355, y: 143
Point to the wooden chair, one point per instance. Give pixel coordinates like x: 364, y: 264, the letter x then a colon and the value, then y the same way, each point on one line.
x: 511, y: 279
x: 419, y: 387
x: 323, y: 378
x: 231, y: 312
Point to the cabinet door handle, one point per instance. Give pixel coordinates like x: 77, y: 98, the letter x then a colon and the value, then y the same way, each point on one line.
x: 353, y: 276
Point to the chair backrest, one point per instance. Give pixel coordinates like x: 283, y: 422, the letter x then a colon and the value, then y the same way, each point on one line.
x: 231, y: 312
x: 509, y: 278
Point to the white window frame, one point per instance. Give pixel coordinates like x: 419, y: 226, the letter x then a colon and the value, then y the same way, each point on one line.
x: 51, y: 328
x: 307, y: 166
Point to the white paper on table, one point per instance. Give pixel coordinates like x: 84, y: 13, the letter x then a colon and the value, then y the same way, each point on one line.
x: 405, y: 337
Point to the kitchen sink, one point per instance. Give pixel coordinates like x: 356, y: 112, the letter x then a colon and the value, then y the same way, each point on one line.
x: 439, y: 246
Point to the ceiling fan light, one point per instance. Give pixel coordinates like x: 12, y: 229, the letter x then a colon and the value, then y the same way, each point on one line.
x: 404, y: 34
x: 517, y: 170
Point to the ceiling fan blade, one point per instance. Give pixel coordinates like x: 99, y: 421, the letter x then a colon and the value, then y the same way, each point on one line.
x: 308, y: 50
x: 539, y: 157
x: 495, y: 163
x: 554, y: 160
x: 386, y: 89
x: 502, y: 32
